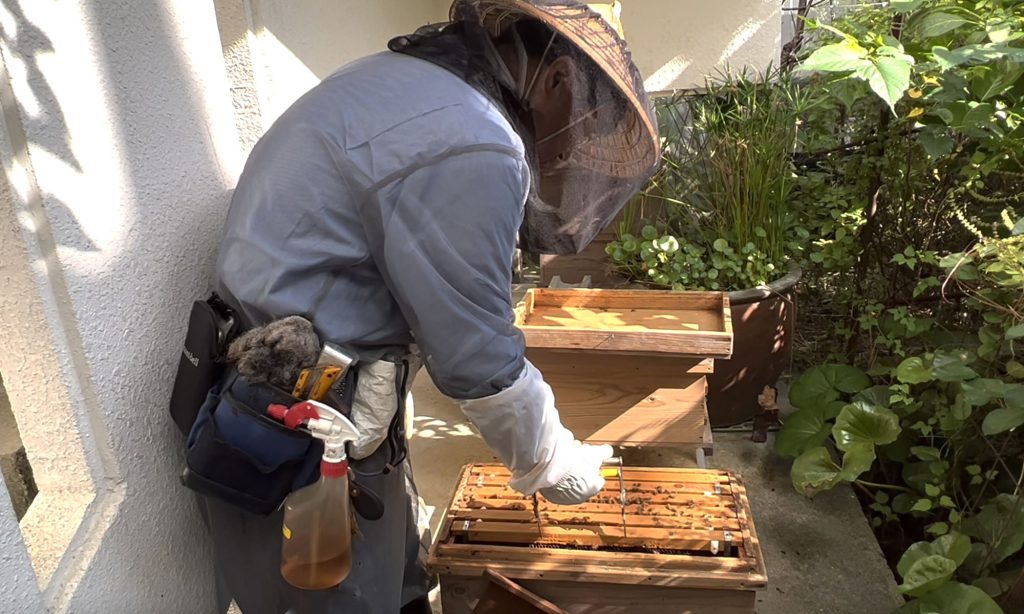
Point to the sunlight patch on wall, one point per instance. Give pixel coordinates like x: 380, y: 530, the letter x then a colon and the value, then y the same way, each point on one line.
x: 284, y: 76
x: 743, y: 35
x: 663, y: 78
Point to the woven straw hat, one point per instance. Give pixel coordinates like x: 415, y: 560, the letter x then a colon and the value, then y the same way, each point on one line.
x: 632, y: 149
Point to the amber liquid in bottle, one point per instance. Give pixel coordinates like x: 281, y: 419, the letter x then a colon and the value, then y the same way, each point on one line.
x: 316, y: 552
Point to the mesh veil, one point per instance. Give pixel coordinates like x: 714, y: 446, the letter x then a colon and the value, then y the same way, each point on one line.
x: 597, y: 150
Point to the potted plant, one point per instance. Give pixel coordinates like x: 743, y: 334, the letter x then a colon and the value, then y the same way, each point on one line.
x: 719, y: 216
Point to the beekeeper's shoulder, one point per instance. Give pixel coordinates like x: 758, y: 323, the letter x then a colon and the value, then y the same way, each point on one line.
x: 398, y: 112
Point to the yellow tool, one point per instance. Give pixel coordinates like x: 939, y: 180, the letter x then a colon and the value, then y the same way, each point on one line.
x: 314, y: 383
x: 300, y: 384
x: 536, y: 514
x: 323, y: 383
x: 610, y: 472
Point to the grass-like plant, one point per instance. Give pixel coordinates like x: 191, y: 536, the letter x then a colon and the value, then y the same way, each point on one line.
x: 718, y: 213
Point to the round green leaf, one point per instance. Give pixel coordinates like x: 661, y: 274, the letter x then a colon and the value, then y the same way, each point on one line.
x: 862, y: 422
x: 856, y: 460
x: 822, y: 384
x: 1002, y: 420
x: 927, y: 574
x: 1014, y: 395
x: 982, y: 390
x: 956, y: 598
x: 814, y: 471
x: 829, y: 410
x: 991, y: 586
x: 649, y: 232
x: 926, y: 453
x: 902, y: 503
x: 913, y: 371
x: 951, y: 367
x: 954, y: 546
x: 668, y: 244
x: 720, y: 245
x: 922, y: 505
x: 876, y: 395
x: 802, y: 431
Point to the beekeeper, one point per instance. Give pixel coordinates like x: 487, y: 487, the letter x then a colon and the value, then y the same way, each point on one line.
x: 385, y: 207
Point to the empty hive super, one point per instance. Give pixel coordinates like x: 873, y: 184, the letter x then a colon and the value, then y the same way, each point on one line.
x: 688, y: 544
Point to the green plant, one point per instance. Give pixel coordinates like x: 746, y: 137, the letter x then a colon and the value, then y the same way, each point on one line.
x: 915, y: 157
x: 719, y: 211
x: 915, y: 151
x: 936, y: 436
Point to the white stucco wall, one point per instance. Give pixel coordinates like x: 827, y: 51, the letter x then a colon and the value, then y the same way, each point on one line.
x: 676, y: 42
x: 296, y: 44
x: 118, y: 152
x: 19, y: 593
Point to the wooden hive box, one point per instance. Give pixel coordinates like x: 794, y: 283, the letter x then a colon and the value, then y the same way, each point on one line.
x: 689, y: 544
x: 627, y: 366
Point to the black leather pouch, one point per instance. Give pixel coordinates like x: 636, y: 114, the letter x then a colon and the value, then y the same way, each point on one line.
x: 212, y: 325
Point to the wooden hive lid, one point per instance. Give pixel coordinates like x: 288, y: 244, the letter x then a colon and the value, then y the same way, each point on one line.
x: 684, y: 528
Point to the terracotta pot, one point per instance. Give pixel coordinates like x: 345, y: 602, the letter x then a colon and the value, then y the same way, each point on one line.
x: 762, y: 320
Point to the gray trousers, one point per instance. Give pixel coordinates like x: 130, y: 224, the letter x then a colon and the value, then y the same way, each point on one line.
x: 388, y: 562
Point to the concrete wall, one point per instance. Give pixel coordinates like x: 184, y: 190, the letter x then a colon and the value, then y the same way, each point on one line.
x: 118, y: 152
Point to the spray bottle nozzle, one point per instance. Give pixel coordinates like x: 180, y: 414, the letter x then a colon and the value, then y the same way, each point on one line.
x: 321, y: 421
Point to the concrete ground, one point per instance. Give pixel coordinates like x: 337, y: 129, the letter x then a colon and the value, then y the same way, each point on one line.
x: 821, y: 555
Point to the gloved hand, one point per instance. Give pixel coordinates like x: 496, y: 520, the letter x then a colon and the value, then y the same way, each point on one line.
x: 583, y: 480
x: 523, y: 428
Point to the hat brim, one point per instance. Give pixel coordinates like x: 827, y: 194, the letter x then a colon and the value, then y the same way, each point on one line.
x: 633, y: 148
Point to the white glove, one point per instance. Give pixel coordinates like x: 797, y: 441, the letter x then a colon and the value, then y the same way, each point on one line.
x: 375, y: 403
x: 522, y: 426
x: 584, y: 478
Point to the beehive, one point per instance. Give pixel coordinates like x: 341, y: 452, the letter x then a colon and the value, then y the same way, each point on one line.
x: 628, y: 367
x: 688, y: 544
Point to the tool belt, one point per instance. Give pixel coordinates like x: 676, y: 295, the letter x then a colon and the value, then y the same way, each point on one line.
x: 236, y: 453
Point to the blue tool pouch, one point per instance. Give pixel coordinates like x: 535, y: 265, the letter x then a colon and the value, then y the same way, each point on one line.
x: 237, y: 454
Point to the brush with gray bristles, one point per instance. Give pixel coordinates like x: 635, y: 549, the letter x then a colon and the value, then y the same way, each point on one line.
x: 276, y: 353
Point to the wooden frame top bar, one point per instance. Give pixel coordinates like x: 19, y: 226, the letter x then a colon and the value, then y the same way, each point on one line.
x: 684, y: 528
x: 628, y: 321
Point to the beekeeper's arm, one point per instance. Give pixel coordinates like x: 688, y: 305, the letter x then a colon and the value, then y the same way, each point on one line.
x: 445, y: 247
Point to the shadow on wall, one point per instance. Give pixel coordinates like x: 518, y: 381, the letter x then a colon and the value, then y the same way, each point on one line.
x: 120, y: 318
x: 14, y: 465
x: 40, y: 109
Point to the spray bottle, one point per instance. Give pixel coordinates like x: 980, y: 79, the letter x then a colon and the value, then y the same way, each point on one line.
x: 317, y: 549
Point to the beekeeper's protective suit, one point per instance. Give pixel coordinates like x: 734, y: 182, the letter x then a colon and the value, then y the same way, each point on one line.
x: 384, y: 206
